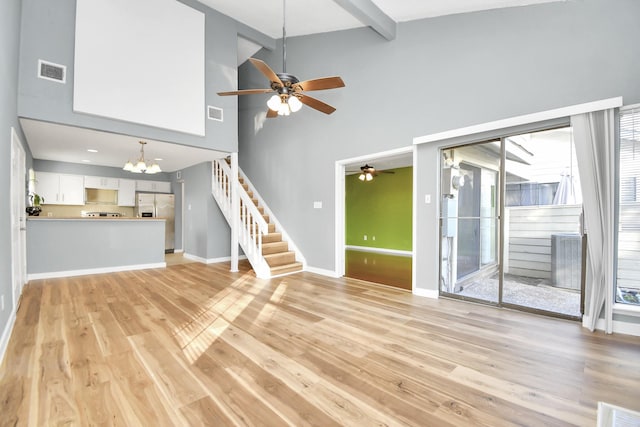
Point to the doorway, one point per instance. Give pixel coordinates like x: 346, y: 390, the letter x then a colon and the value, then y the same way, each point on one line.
x: 378, y: 247
x: 18, y: 220
x: 511, y: 223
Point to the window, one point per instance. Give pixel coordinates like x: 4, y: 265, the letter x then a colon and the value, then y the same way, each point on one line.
x: 628, y: 274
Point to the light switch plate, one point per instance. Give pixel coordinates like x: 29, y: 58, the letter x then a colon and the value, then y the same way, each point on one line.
x: 317, y: 205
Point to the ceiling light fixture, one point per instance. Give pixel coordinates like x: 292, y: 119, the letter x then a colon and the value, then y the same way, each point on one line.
x: 141, y: 165
x: 284, y: 104
x: 365, y: 176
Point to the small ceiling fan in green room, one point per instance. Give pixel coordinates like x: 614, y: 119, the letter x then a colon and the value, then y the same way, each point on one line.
x: 289, y: 90
x: 368, y: 172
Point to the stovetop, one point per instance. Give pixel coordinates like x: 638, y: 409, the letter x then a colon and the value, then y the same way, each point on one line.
x: 101, y: 214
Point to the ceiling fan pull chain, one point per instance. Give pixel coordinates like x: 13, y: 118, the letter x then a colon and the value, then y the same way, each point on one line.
x: 284, y: 36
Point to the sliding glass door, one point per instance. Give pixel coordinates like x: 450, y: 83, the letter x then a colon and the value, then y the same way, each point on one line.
x: 511, y: 223
x: 469, y: 221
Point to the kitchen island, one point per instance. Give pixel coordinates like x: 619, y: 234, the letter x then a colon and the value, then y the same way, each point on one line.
x: 59, y: 247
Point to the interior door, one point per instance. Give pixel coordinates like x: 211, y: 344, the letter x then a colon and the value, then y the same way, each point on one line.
x: 18, y: 218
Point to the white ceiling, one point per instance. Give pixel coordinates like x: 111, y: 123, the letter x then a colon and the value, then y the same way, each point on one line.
x: 49, y: 141
x: 319, y: 16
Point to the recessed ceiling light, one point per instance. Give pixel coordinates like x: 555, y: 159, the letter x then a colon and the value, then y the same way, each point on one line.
x: 158, y: 159
x: 91, y: 150
x: 86, y: 161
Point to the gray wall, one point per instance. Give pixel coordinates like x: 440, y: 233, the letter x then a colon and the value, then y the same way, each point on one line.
x: 48, y: 32
x: 9, y: 49
x: 207, y: 234
x: 438, y: 74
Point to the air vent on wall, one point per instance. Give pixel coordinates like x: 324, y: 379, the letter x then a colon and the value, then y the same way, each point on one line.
x: 50, y: 71
x: 214, y: 113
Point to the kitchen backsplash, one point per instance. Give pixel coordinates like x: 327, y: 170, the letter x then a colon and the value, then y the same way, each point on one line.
x: 76, y: 211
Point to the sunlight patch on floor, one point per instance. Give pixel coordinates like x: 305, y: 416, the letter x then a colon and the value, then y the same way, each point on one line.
x: 218, y: 312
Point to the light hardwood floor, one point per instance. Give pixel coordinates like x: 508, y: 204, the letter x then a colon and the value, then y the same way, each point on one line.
x: 193, y: 344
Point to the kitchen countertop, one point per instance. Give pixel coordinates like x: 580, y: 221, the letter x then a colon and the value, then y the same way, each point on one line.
x: 94, y: 218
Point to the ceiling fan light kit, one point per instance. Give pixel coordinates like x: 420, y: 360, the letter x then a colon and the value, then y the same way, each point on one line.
x: 289, y: 96
x: 365, y: 176
x: 367, y: 172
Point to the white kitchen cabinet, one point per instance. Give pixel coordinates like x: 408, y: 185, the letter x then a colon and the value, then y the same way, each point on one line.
x: 127, y: 192
x: 48, y: 187
x: 153, y: 186
x: 101, y: 182
x: 60, y: 189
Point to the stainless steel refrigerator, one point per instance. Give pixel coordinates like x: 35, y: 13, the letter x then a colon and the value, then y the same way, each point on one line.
x: 159, y: 205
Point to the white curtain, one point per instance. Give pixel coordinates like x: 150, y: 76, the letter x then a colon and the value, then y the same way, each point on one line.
x: 594, y: 138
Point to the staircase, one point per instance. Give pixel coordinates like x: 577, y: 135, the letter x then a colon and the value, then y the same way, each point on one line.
x: 261, y: 237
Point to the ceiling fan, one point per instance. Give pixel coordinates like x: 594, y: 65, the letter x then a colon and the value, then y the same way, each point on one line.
x: 289, y: 96
x: 367, y: 172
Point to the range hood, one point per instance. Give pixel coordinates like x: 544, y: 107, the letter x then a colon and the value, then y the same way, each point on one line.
x: 97, y: 196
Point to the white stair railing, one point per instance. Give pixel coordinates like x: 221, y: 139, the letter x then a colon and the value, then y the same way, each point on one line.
x: 285, y: 236
x: 221, y: 186
x: 252, y: 225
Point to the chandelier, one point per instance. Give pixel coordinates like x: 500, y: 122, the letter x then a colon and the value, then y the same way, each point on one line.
x: 141, y: 165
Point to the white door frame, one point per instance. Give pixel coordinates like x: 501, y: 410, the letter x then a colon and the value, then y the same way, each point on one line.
x: 19, y: 224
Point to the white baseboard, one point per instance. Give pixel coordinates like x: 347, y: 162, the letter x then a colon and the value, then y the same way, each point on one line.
x: 211, y: 260
x: 70, y: 273
x: 6, y: 334
x: 379, y: 250
x: 619, y: 327
x: 427, y: 293
x: 625, y: 328
x: 322, y: 272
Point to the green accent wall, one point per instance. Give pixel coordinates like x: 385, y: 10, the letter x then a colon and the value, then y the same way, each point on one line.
x: 380, y: 208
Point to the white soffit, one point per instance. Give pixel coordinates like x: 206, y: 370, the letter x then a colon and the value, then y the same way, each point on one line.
x: 62, y: 143
x: 522, y: 120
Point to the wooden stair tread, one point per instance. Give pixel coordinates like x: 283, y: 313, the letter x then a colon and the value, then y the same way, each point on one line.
x: 274, y: 247
x: 280, y: 258
x: 286, y: 268
x: 272, y: 238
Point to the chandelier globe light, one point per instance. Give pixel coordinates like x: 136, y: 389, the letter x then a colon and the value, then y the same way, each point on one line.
x: 141, y: 165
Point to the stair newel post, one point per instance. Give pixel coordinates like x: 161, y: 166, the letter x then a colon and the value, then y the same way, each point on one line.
x: 235, y: 211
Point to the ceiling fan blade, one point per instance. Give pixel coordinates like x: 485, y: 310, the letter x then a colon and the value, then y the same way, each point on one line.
x: 316, y: 104
x: 320, y: 84
x: 266, y: 70
x: 245, y: 92
x: 271, y: 114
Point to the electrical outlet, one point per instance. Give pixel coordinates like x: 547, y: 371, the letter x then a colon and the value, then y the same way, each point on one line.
x: 365, y: 237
